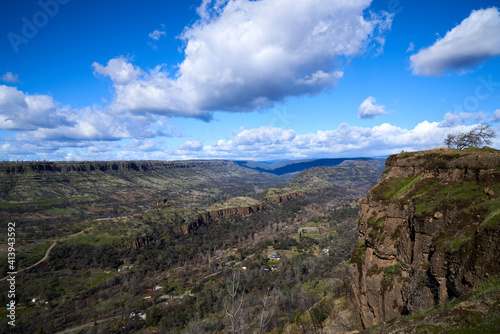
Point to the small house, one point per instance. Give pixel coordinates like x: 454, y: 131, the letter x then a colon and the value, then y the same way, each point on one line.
x: 275, y: 257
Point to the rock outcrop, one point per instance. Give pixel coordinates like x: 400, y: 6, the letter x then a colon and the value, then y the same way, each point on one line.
x: 140, y: 242
x: 205, y: 217
x: 428, y: 232
x: 240, y: 211
x: 286, y: 197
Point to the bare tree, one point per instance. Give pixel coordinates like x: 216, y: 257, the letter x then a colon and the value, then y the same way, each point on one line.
x: 233, y: 307
x: 267, y: 312
x: 474, y: 138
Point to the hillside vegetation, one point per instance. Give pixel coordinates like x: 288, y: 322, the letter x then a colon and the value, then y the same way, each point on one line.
x: 55, y: 199
x: 213, y: 247
x: 167, y: 242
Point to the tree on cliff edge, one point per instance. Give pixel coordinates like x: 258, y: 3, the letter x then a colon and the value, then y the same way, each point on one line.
x: 474, y: 138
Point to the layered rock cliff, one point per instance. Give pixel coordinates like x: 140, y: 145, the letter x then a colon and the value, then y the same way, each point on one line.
x: 140, y: 242
x: 236, y: 206
x: 279, y: 195
x: 238, y: 211
x: 428, y: 232
x: 103, y: 166
x: 286, y: 197
x: 221, y: 213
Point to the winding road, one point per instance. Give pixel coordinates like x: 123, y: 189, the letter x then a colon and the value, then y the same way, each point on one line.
x: 47, y: 252
x: 44, y: 258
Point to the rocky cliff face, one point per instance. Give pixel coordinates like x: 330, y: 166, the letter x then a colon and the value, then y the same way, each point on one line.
x: 217, y: 214
x: 286, y: 197
x: 428, y: 232
x: 241, y: 211
x: 140, y: 242
x: 103, y: 166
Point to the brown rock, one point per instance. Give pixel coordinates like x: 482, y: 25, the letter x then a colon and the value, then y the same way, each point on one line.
x: 438, y: 215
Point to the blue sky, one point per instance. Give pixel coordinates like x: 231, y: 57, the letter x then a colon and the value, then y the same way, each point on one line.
x: 260, y: 80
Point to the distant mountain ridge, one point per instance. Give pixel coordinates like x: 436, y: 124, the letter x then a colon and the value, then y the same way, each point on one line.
x: 276, y: 167
x: 358, y: 176
x: 294, y: 166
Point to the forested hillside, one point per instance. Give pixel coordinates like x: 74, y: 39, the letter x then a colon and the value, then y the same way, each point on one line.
x: 173, y: 248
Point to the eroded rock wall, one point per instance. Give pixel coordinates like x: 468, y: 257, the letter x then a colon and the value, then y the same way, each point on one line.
x: 428, y: 232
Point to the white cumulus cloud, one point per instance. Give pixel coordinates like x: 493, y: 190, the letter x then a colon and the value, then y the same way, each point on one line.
x: 20, y: 111
x: 119, y: 70
x: 369, y: 109
x: 191, y: 145
x: 40, y: 118
x: 461, y: 118
x: 496, y: 116
x: 245, y: 55
x: 475, y: 39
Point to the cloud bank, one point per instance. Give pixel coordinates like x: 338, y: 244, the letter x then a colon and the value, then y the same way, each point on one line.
x: 39, y: 117
x: 263, y: 143
x: 345, y: 141
x: 474, y: 40
x: 269, y: 142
